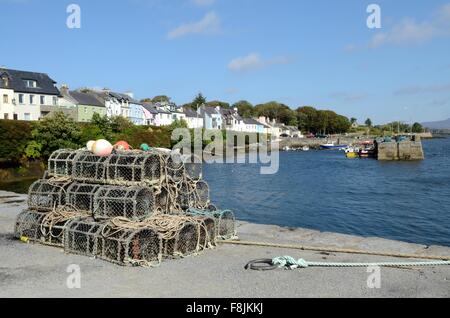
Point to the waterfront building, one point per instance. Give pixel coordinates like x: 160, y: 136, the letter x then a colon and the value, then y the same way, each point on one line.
x: 193, y: 119
x: 26, y: 95
x: 86, y: 105
x: 212, y: 117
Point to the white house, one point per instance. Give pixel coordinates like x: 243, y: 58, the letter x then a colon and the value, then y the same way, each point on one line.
x: 193, y: 119
x: 232, y: 120
x: 26, y: 95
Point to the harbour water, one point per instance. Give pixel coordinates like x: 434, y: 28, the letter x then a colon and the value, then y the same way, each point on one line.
x: 322, y: 190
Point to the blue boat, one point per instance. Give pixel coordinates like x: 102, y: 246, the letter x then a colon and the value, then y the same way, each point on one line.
x: 333, y: 146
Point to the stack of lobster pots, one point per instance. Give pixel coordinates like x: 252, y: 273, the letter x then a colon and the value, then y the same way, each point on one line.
x: 129, y: 207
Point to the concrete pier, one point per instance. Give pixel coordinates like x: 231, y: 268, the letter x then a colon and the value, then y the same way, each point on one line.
x: 405, y: 150
x: 33, y: 270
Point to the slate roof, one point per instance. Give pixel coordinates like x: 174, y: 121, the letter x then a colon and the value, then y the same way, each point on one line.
x: 152, y: 109
x: 209, y: 110
x: 85, y: 99
x: 251, y: 121
x: 45, y: 85
x: 189, y: 112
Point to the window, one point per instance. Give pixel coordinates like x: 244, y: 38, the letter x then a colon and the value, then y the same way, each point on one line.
x: 31, y: 99
x: 5, y: 116
x: 20, y: 98
x: 85, y: 110
x: 5, y: 99
x: 15, y: 116
x: 55, y: 101
x: 5, y: 81
x: 27, y: 116
x: 30, y: 83
x: 42, y: 100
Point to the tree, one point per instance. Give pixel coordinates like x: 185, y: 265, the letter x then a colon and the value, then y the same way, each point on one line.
x: 161, y: 99
x: 219, y: 103
x: 368, y: 123
x: 56, y: 131
x: 353, y: 120
x: 198, y: 101
x: 245, y: 109
x: 417, y: 128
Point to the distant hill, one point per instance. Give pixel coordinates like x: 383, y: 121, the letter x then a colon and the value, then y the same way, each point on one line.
x: 444, y: 124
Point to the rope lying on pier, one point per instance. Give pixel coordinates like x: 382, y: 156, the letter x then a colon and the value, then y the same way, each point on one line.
x: 336, y: 250
x: 291, y: 263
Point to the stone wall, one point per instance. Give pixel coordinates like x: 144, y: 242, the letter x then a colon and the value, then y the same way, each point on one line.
x: 405, y: 150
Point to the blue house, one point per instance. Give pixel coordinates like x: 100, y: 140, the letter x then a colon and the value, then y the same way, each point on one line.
x: 212, y: 117
x: 136, y: 113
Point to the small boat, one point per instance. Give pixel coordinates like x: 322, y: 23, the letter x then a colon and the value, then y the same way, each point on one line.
x: 287, y: 148
x: 305, y: 148
x: 333, y: 146
x: 351, y: 152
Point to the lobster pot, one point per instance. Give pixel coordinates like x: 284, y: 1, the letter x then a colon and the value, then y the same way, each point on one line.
x: 134, y: 168
x: 161, y: 200
x: 174, y: 167
x: 81, y: 196
x: 225, y: 221
x: 130, y: 247
x: 193, y: 167
x: 185, y: 196
x: 88, y: 167
x: 44, y: 195
x: 225, y: 224
x: 82, y: 237
x: 60, y: 163
x: 201, y: 198
x: 133, y: 203
x: 207, y: 231
x: 184, y: 243
x: 28, y: 225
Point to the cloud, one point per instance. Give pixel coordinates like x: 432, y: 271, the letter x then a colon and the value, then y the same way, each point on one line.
x: 210, y: 24
x: 254, y: 61
x: 418, y: 89
x: 348, y: 97
x: 409, y: 31
x: 203, y: 3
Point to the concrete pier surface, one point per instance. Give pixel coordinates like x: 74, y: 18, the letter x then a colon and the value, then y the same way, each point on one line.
x: 33, y: 270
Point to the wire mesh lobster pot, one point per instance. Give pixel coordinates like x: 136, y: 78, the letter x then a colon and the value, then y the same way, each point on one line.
x: 225, y: 221
x: 207, y: 231
x: 133, y: 203
x: 185, y: 242
x: 201, y: 194
x: 175, y: 168
x: 134, y: 168
x: 81, y: 196
x: 88, y: 167
x: 82, y: 237
x: 60, y: 163
x: 28, y: 225
x: 45, y: 195
x: 193, y: 195
x: 161, y: 200
x: 193, y: 167
x: 130, y: 246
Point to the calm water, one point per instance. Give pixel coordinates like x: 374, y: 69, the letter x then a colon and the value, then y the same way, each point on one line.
x: 322, y: 190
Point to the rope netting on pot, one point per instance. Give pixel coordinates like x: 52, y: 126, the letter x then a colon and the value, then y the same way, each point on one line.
x: 193, y: 167
x: 125, y: 243
x: 133, y: 168
x: 193, y: 194
x: 60, y: 163
x: 46, y: 228
x: 28, y: 225
x: 81, y: 196
x: 45, y: 195
x: 88, y: 167
x: 133, y: 203
x: 82, y: 237
x: 225, y: 221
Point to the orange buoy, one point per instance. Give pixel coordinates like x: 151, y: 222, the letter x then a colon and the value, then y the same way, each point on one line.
x: 122, y: 145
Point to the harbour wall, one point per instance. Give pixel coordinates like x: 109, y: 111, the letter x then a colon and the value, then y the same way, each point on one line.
x: 405, y: 150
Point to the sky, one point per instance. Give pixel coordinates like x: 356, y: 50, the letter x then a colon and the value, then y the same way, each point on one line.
x: 320, y: 53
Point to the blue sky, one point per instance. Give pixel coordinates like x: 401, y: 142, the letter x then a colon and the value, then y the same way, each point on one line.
x: 318, y: 53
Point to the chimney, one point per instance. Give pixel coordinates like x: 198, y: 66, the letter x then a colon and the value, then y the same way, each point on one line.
x: 64, y: 89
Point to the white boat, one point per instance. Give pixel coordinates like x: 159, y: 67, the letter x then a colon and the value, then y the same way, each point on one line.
x: 305, y: 148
